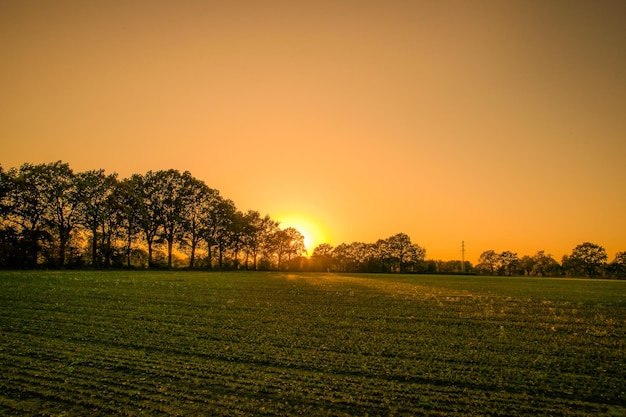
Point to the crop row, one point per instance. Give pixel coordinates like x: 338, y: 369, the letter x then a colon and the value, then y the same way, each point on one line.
x: 113, y: 381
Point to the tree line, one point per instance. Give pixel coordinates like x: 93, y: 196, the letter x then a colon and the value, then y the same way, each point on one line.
x: 54, y: 217
x: 586, y: 260
x: 397, y: 254
x: 394, y: 254
x: 51, y: 216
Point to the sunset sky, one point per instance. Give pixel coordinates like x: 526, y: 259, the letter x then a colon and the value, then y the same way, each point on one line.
x: 497, y: 123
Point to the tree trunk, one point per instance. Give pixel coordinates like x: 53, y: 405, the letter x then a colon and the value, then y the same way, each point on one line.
x: 150, y: 253
x: 105, y: 248
x: 62, y: 246
x: 107, y: 257
x: 94, y: 246
x: 33, y: 247
x: 128, y: 249
x: 236, y: 260
x: 170, y: 244
x: 192, y: 257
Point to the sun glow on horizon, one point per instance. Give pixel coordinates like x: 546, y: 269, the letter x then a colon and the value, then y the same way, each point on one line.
x: 314, y: 234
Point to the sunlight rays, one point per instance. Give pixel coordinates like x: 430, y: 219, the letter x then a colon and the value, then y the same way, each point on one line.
x: 313, y: 232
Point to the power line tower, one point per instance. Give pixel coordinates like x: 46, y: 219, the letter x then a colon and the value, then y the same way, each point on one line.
x: 462, y: 256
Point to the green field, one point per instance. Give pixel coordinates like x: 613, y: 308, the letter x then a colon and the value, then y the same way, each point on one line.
x: 192, y: 343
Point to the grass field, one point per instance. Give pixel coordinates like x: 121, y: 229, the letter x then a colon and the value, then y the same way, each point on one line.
x: 190, y: 343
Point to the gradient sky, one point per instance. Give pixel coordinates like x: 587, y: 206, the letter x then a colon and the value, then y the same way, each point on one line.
x: 500, y: 123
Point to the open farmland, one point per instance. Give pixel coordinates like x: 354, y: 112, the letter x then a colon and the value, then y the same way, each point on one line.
x: 77, y: 343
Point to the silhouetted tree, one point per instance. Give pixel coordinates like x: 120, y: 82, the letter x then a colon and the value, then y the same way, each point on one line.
x: 237, y: 236
x: 95, y: 199
x: 617, y: 268
x: 488, y: 261
x: 64, y: 203
x: 403, y: 254
x: 545, y: 265
x: 9, y: 238
x: 26, y: 208
x: 587, y: 258
x: 172, y: 196
x: 287, y: 243
x: 341, y: 257
x: 446, y: 267
x: 6, y: 183
x: 202, y: 201
x: 358, y: 256
x: 256, y: 233
x: 127, y: 202
x: 220, y: 228
x: 148, y: 208
x: 526, y: 265
x: 507, y: 260
x: 322, y: 257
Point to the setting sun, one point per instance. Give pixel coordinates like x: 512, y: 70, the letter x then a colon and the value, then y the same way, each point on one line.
x: 313, y: 233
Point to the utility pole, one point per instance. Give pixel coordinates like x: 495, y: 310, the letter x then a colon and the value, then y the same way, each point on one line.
x: 462, y: 256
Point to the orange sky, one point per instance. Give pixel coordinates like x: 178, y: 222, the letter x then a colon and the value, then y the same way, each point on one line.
x: 500, y: 123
